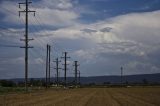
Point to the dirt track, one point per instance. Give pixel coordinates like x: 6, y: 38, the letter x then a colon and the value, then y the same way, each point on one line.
x: 86, y: 97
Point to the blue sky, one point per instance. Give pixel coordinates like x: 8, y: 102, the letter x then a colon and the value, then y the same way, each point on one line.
x: 102, y: 35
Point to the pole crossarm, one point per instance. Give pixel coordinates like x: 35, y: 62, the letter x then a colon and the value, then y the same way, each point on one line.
x: 27, y: 39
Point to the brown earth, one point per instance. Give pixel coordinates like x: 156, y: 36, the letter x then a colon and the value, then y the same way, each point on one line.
x: 86, y: 97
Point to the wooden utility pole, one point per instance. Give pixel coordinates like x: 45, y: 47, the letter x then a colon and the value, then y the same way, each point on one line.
x: 26, y: 11
x: 57, y: 70
x: 65, y: 67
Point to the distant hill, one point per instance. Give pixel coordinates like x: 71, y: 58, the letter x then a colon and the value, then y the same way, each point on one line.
x: 151, y: 78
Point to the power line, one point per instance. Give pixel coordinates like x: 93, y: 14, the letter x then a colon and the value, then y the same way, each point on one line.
x: 8, y: 11
x: 42, y: 42
x: 39, y: 22
x: 15, y: 46
x: 42, y: 25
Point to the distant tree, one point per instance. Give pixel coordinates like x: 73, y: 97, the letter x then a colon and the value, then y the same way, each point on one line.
x: 127, y: 83
x: 21, y: 84
x: 31, y: 81
x: 145, y: 81
x: 6, y: 83
x: 106, y: 83
x: 42, y: 82
x: 34, y: 82
x: 92, y: 84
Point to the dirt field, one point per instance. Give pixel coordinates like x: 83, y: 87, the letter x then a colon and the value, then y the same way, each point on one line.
x: 86, y: 97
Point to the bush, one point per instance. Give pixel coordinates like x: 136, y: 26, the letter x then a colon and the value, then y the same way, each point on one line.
x: 6, y: 83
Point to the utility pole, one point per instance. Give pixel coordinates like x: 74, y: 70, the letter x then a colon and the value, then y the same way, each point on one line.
x: 26, y: 11
x: 47, y: 66
x: 121, y: 75
x: 79, y: 77
x: 76, y: 69
x: 57, y: 70
x: 65, y: 67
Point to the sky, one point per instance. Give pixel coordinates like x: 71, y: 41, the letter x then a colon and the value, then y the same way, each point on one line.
x: 103, y: 35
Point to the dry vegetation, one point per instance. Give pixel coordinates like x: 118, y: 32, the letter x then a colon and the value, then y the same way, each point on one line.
x: 85, y: 97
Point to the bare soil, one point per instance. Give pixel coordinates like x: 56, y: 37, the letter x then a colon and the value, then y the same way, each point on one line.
x: 144, y: 96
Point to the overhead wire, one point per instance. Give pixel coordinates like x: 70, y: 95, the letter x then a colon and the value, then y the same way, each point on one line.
x: 38, y: 19
x: 56, y: 49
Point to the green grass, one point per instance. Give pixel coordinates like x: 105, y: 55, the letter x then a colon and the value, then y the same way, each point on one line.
x: 4, y: 90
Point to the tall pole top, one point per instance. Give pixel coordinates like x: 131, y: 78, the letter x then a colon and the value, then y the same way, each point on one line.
x: 121, y: 68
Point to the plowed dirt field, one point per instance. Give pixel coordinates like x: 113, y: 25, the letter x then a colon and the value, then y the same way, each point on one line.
x: 85, y: 97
